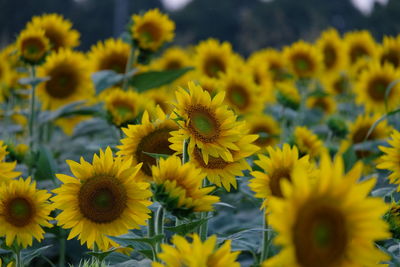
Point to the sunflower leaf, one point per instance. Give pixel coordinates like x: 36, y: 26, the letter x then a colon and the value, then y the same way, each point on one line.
x: 29, y: 254
x: 187, y: 228
x: 33, y: 81
x: 156, y: 155
x: 101, y: 255
x: 349, y: 158
x: 46, y: 165
x: 107, y: 78
x: 134, y: 241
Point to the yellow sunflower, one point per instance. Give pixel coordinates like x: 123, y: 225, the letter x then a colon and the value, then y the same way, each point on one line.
x: 277, y: 166
x: 103, y: 199
x: 288, y: 95
x: 162, y: 98
x: 328, y: 222
x: 69, y: 79
x: 178, y: 188
x: 150, y: 136
x: 266, y: 127
x: 57, y: 29
x: 197, y: 253
x: 213, y: 58
x: 241, y: 93
x: 23, y: 210
x: 303, y: 59
x: 68, y: 124
x: 123, y: 106
x: 336, y: 83
x: 389, y: 52
x: 207, y: 123
x: 211, y: 85
x: 33, y: 45
x: 359, y: 44
x: 363, y: 64
x: 391, y: 158
x: 330, y: 46
x: 172, y: 59
x: 308, y: 142
x: 324, y: 103
x: 7, y: 169
x: 112, y: 54
x: 152, y: 30
x: 373, y: 85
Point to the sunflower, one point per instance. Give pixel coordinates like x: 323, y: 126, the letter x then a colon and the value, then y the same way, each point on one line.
x: 359, y: 44
x: 241, y: 93
x: 197, y: 253
x: 213, y: 58
x: 69, y: 124
x: 303, y: 59
x: 288, y: 95
x: 123, y: 106
x: 23, y: 210
x: 112, y: 54
x: 391, y: 158
x: 389, y: 52
x: 152, y: 30
x: 172, y: 59
x: 57, y: 29
x: 324, y: 103
x: 330, y: 46
x: 178, y: 188
x: 278, y: 165
x: 373, y: 85
x: 5, y: 79
x: 211, y: 85
x: 308, y: 142
x: 150, y: 136
x: 33, y: 45
x: 6, y: 168
x: 207, y: 123
x: 160, y: 97
x: 336, y: 83
x: 328, y: 222
x: 69, y: 79
x: 103, y: 199
x: 266, y: 127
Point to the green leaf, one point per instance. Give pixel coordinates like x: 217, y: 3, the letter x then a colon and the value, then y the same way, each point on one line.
x: 349, y: 158
x: 156, y: 155
x: 134, y: 263
x: 29, y: 254
x: 33, y: 81
x: 373, y: 126
x: 132, y: 240
x: 107, y: 78
x: 153, y: 79
x: 101, y: 255
x: 384, y: 191
x: 186, y: 228
x: 45, y: 165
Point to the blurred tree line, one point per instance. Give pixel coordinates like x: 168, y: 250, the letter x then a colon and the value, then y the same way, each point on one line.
x: 247, y: 24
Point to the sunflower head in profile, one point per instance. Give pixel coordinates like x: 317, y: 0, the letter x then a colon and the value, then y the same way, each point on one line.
x: 33, y: 45
x: 177, y: 187
x: 389, y: 52
x: 277, y: 166
x: 23, y: 212
x: 69, y: 79
x: 359, y: 44
x: 267, y: 129
x: 303, y: 59
x: 390, y: 160
x: 206, y: 122
x: 336, y: 83
x: 241, y: 93
x: 197, y: 253
x: 288, y: 95
x: 307, y: 142
x: 102, y: 199
x: 152, y: 29
x: 323, y: 102
x: 150, y: 136
x: 57, y: 29
x: 213, y: 58
x: 112, y: 54
x: 378, y: 88
x: 330, y: 45
x: 7, y: 169
x: 331, y: 221
x: 160, y: 97
x: 123, y: 106
x: 173, y: 58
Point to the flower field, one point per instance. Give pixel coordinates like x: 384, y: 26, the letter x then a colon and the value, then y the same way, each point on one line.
x: 139, y: 152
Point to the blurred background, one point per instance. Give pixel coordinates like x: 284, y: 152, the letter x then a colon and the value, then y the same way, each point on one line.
x: 247, y: 24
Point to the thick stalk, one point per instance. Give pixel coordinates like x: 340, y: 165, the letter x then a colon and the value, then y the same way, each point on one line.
x: 265, y: 240
x: 128, y: 68
x: 18, y: 258
x: 61, y: 259
x: 159, y: 226
x: 203, y: 230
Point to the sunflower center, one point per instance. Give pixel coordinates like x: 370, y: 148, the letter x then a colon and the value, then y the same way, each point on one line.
x: 302, y: 63
x: 19, y: 212
x: 203, y: 123
x: 319, y: 235
x: 214, y: 65
x: 340, y: 85
x: 264, y: 135
x: 321, y: 103
x: 357, y: 52
x: 123, y: 108
x: 149, y: 32
x: 33, y: 49
x: 330, y: 56
x: 55, y: 37
x: 277, y: 70
x: 275, y: 180
x: 173, y: 65
x: 154, y: 142
x: 102, y: 199
x: 116, y: 62
x: 213, y: 163
x: 392, y: 57
x: 63, y: 83
x: 377, y: 88
x: 238, y: 96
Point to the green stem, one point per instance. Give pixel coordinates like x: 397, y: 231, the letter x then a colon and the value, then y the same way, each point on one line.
x: 32, y: 111
x: 203, y: 229
x: 61, y: 259
x: 265, y: 240
x: 185, y: 153
x: 159, y: 226
x: 18, y: 258
x: 128, y: 67
x: 150, y: 225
